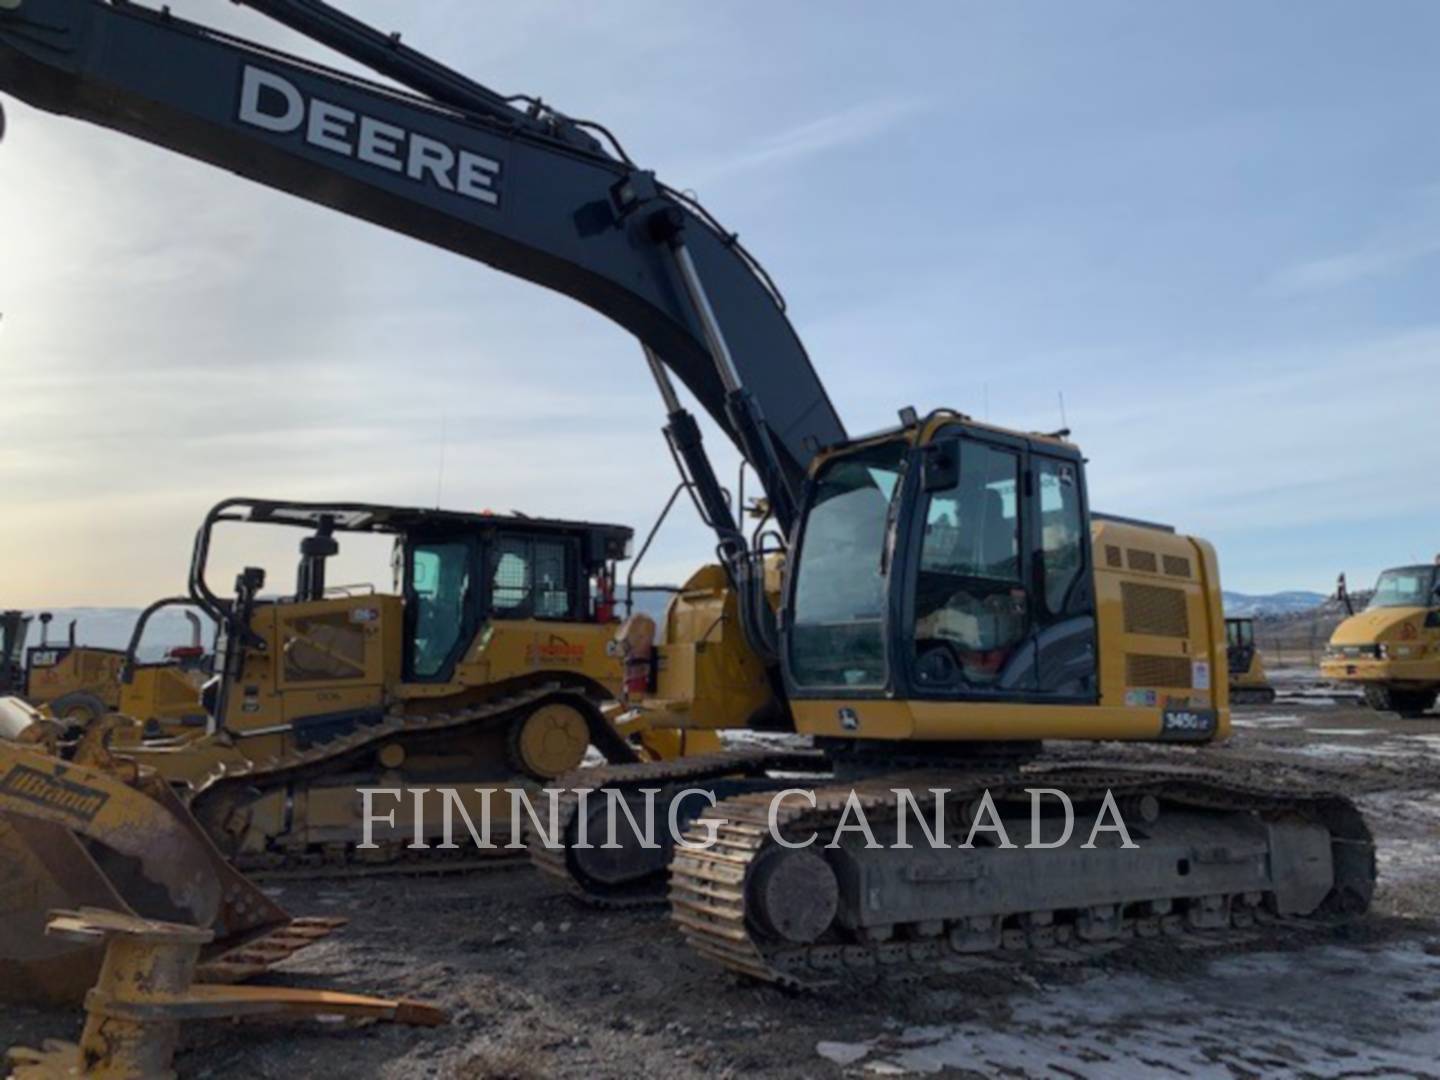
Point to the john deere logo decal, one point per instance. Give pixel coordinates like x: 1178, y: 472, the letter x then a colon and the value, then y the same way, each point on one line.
x: 54, y: 793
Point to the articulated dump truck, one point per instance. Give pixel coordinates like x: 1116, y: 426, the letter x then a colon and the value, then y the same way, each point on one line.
x: 1391, y: 650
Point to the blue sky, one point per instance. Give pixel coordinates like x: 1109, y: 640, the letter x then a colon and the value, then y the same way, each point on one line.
x: 1214, y: 228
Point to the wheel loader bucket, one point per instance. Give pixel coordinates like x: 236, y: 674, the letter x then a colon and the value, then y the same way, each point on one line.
x: 82, y: 836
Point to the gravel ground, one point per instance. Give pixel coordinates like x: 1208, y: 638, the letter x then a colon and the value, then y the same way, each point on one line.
x: 538, y: 986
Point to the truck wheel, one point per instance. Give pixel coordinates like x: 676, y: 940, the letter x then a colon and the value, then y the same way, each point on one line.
x: 1378, y: 698
x: 78, y: 710
x: 1412, y: 704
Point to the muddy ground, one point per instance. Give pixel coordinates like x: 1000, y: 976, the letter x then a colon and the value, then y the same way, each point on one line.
x: 540, y: 987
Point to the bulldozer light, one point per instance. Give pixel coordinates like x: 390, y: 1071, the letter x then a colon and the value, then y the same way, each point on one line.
x: 272, y: 102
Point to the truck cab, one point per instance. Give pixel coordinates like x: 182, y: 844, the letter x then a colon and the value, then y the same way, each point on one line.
x: 1391, y: 649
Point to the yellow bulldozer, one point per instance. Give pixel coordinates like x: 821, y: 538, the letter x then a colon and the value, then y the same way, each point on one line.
x: 1391, y: 649
x: 489, y: 658
x: 75, y: 683
x: 1249, y: 685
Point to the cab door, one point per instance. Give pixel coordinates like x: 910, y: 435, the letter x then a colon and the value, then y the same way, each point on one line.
x: 972, y: 615
x: 1062, y: 578
x: 1002, y: 604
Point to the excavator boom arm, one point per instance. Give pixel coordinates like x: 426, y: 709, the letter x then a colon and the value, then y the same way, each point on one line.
x: 454, y: 165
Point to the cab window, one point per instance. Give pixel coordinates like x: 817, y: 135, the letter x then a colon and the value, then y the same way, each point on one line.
x: 531, y: 578
x: 439, y: 589
x: 837, y: 636
x: 970, y: 600
x: 1061, y: 524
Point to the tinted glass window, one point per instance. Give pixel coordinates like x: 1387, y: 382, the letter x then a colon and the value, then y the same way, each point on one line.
x: 970, y: 602
x: 439, y: 589
x: 531, y: 577
x: 838, y: 630
x: 1406, y: 587
x: 1061, y: 530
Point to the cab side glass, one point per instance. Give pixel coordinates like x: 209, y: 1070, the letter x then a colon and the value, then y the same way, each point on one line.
x: 1062, y: 544
x: 970, y: 603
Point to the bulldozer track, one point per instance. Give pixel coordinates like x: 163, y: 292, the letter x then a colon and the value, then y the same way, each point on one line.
x: 554, y: 861
x: 708, y: 887
x: 318, y: 761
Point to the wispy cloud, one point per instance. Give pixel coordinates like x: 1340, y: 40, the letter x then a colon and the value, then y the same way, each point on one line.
x: 848, y: 127
x: 1391, y: 250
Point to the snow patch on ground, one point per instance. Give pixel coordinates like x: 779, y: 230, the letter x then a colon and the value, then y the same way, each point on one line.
x: 1256, y: 1015
x: 1266, y: 721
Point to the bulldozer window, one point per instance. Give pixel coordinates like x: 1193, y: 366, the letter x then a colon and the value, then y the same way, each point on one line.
x: 439, y: 589
x: 531, y: 578
x: 838, y: 632
x: 970, y: 601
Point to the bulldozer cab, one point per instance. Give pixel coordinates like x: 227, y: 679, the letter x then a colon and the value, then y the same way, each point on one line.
x: 14, y: 625
x: 949, y: 561
x: 326, y: 652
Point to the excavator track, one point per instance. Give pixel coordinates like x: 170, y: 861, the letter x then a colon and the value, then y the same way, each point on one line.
x: 339, y: 755
x: 557, y: 862
x: 712, y: 891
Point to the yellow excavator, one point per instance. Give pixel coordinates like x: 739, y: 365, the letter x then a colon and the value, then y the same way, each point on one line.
x: 1249, y: 685
x: 925, y: 606
x: 1391, y: 649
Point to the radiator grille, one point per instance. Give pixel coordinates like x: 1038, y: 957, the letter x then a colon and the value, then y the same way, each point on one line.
x: 1167, y: 671
x: 1176, y: 565
x: 1142, y: 560
x: 1112, y: 556
x: 1155, y: 609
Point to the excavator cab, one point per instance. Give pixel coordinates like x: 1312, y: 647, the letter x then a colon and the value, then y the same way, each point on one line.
x: 1248, y: 683
x: 943, y: 562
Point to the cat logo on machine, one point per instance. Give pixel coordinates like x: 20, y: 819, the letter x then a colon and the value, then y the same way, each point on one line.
x: 849, y: 719
x: 44, y: 658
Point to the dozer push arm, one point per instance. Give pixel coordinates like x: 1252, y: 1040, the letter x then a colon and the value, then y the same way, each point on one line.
x: 452, y: 164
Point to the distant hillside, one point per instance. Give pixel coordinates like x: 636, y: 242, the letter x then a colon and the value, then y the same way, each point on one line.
x: 1239, y: 605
